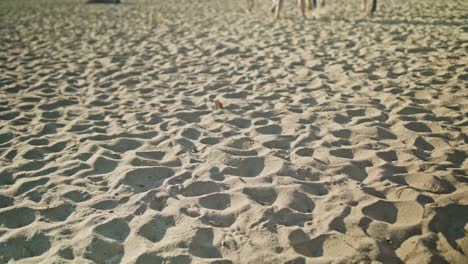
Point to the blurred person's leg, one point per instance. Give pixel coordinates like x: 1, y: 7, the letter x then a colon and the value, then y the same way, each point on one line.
x: 309, y: 4
x: 302, y: 7
x: 374, y: 6
x: 250, y: 4
x: 370, y: 10
x: 279, y: 5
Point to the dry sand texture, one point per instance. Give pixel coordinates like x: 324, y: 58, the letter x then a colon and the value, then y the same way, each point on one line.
x: 342, y: 142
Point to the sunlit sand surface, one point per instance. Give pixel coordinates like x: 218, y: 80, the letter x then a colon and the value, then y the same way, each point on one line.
x: 340, y: 141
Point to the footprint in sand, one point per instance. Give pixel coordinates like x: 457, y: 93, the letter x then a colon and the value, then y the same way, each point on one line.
x: 17, y: 217
x: 101, y: 249
x: 261, y: 195
x: 116, y: 229
x: 201, y: 244
x: 155, y: 229
x: 32, y: 245
x: 59, y: 213
x: 144, y: 179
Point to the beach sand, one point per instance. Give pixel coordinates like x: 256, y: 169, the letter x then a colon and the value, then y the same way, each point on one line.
x: 342, y: 141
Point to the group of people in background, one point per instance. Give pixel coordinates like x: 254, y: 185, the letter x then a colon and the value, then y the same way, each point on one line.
x: 310, y: 5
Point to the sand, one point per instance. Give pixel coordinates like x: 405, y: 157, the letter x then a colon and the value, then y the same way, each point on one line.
x: 342, y: 141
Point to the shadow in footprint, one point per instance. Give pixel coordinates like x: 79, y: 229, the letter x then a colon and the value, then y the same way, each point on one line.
x: 77, y: 196
x: 457, y: 157
x: 103, y: 250
x: 304, y: 152
x: 388, y: 156
x: 199, y: 188
x: 20, y: 247
x: 286, y: 217
x: 155, y: 258
x: 269, y: 130
x: 341, y: 119
x: 246, y: 167
x: 105, y: 205
x: 261, y: 195
x: 342, y: 133
x: 210, y: 141
x: 59, y: 213
x: 342, y: 153
x: 422, y: 144
x: 66, y: 253
x: 218, y: 219
x: 17, y: 217
x: 424, y: 182
x: 5, y: 137
x: 116, y: 229
x: 156, y: 228
x: 450, y: 221
x: 103, y: 165
x: 144, y: 179
x: 382, y: 211
x: 6, y: 201
x: 418, y: 127
x: 216, y: 201
x: 383, y: 133
x: 338, y: 222
x: 299, y: 202
x: 356, y: 170
x: 277, y: 144
x: 322, y: 245
x: 413, y: 111
x: 123, y: 145
x: 202, y: 246
x: 150, y: 258
x: 152, y: 155
x: 191, y: 133
x: 240, y: 122
x: 401, y: 212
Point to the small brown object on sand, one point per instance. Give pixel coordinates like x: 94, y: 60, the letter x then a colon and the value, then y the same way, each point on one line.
x: 218, y: 104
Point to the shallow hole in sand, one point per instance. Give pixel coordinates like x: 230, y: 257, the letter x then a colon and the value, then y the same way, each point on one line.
x: 143, y: 179
x: 199, y: 188
x: 24, y: 247
x: 116, y: 229
x: 261, y: 195
x: 17, y: 217
x: 156, y: 228
x: 407, y: 212
x: 59, y: 213
x: 216, y: 201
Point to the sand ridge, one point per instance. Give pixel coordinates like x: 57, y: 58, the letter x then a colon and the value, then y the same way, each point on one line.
x: 342, y: 141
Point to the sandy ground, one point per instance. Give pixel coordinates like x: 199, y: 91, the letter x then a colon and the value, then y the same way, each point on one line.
x: 344, y: 141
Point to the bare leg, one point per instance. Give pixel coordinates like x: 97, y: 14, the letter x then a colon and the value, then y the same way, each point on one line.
x: 364, y: 5
x: 250, y: 5
x: 279, y: 5
x: 310, y: 5
x: 302, y: 7
x: 374, y: 6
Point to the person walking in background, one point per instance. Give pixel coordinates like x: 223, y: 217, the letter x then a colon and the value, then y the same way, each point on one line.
x: 365, y: 6
x: 370, y: 10
x: 278, y: 4
x: 311, y: 4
